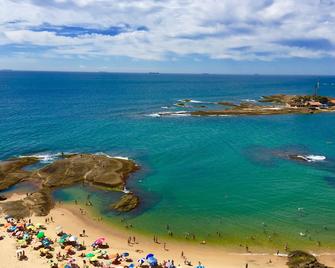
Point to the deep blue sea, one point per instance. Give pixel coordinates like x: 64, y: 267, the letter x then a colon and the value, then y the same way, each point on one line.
x: 199, y: 175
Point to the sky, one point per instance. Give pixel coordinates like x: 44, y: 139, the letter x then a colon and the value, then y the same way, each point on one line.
x: 175, y: 36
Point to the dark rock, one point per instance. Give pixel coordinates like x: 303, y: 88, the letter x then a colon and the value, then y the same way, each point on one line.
x: 301, y: 259
x: 126, y: 203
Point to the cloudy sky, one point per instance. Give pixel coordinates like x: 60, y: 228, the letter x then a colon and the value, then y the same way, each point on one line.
x: 215, y: 36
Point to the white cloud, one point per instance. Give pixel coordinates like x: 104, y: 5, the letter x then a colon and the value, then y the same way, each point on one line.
x: 219, y: 29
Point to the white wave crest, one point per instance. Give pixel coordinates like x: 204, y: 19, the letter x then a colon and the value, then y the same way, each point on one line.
x: 177, y: 113
x: 111, y: 156
x: 312, y: 158
x: 249, y: 100
x: 44, y: 157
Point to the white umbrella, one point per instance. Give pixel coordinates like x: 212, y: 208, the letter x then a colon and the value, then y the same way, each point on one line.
x: 73, y: 238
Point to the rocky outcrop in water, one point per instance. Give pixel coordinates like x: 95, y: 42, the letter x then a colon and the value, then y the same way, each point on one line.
x: 301, y: 259
x: 94, y: 170
x: 126, y: 203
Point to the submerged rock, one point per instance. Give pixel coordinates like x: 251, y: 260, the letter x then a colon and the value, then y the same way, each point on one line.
x: 126, y: 203
x: 301, y: 259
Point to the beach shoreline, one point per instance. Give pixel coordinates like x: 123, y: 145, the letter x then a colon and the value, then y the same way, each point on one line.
x: 70, y: 217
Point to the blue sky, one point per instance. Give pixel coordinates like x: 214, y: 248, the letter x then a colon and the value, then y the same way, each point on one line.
x: 182, y: 36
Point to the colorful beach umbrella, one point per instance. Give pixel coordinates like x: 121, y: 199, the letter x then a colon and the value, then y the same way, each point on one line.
x: 94, y: 258
x: 100, y: 241
x: 40, y: 234
x: 89, y: 255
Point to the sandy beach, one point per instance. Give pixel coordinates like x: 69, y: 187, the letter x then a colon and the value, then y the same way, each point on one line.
x: 73, y: 221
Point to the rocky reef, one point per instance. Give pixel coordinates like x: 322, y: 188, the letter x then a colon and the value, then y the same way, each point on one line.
x: 93, y: 170
x: 126, y: 203
x: 278, y: 104
x: 301, y: 259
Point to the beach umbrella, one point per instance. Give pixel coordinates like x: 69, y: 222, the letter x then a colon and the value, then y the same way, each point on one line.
x: 94, y: 258
x: 31, y: 227
x: 59, y: 229
x: 100, y: 241
x: 141, y: 261
x: 89, y: 255
x: 20, y: 225
x: 44, y: 250
x: 40, y: 234
x: 61, y: 241
x: 131, y: 265
x: 26, y: 236
x: 73, y: 238
x: 21, y: 242
x: 150, y: 255
x: 152, y: 261
x: 46, y: 242
x: 125, y: 254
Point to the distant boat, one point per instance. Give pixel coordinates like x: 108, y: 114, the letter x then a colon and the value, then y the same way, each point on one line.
x: 154, y: 73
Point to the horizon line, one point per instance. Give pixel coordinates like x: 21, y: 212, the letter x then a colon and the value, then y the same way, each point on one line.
x: 163, y: 73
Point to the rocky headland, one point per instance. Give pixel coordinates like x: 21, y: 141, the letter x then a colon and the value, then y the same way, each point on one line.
x: 278, y: 104
x: 98, y: 171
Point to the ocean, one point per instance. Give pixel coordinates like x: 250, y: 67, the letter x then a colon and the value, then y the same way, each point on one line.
x: 222, y: 179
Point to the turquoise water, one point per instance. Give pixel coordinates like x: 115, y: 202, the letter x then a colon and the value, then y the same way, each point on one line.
x: 199, y: 175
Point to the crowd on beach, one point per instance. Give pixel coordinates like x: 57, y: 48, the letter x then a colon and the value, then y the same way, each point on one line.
x: 66, y: 250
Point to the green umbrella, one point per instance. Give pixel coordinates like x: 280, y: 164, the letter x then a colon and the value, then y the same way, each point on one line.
x: 90, y: 255
x: 40, y: 235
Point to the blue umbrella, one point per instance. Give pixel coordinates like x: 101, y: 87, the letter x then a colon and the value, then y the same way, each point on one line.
x: 152, y: 261
x: 125, y: 254
x: 131, y: 266
x: 150, y: 255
